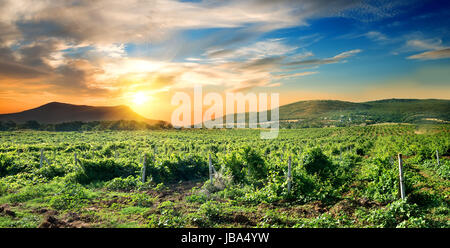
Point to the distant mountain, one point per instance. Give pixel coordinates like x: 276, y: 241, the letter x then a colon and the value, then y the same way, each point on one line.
x: 319, y: 113
x: 56, y: 112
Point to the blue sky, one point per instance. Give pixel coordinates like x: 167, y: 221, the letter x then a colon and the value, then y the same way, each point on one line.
x: 107, y: 52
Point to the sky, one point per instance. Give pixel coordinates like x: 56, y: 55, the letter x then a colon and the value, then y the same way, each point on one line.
x: 140, y: 52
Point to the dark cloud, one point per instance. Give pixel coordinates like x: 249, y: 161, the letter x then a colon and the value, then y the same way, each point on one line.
x: 19, y: 71
x: 6, y: 54
x: 37, y: 54
x: 75, y: 76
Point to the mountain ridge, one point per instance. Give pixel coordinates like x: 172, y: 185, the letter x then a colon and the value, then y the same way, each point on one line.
x: 58, y: 112
x: 319, y: 113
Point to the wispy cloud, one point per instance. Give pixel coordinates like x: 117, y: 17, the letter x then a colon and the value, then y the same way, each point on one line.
x: 432, y: 47
x: 371, y: 35
x: 436, y: 54
x: 331, y: 60
x: 424, y: 44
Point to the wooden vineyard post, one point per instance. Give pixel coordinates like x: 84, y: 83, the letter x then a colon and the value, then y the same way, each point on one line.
x: 437, y: 157
x: 76, y: 159
x: 289, y: 176
x: 42, y: 158
x: 210, y: 170
x: 144, y: 168
x: 402, y: 181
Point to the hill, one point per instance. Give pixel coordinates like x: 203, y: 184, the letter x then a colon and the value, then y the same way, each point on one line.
x: 319, y: 113
x: 56, y: 112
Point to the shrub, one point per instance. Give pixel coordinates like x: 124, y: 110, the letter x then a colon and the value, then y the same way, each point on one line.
x: 383, y: 185
x: 177, y: 168
x: 315, y: 162
x: 123, y: 184
x: 8, y: 166
x: 394, y: 214
x: 105, y: 170
x: 207, y: 215
x: 71, y: 196
x: 3, y: 188
x: 256, y: 168
x: 235, y: 165
x: 302, y: 185
x: 52, y: 171
x: 169, y: 217
x: 142, y: 200
x: 247, y: 166
x: 266, y: 194
x: 443, y: 170
x: 199, y: 198
x: 27, y: 193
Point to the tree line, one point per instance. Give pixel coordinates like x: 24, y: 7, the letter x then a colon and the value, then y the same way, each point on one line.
x: 83, y: 126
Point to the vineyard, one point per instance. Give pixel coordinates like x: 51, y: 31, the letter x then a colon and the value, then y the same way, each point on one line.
x: 339, y: 177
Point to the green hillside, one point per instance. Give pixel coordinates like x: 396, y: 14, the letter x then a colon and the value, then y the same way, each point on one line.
x: 319, y: 113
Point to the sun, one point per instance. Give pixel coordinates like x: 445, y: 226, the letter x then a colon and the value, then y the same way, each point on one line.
x: 140, y: 98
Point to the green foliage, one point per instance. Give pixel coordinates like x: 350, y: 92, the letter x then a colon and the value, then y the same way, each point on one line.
x: 199, y: 198
x: 443, y: 170
x: 71, y: 196
x: 105, y: 170
x: 325, y: 220
x: 27, y: 193
x: 384, y: 183
x: 8, y: 166
x: 396, y: 214
x: 169, y: 216
x: 236, y: 166
x: 3, y: 188
x: 142, y: 200
x: 52, y: 171
x: 247, y: 165
x: 123, y: 184
x: 209, y: 213
x: 350, y: 181
x: 315, y: 162
x: 303, y: 185
x: 177, y: 168
x: 85, y: 126
x: 266, y: 194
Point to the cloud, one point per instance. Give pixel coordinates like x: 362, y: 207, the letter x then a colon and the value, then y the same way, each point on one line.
x: 18, y: 71
x: 331, y: 60
x: 376, y: 36
x: 424, y: 44
x: 83, y: 46
x: 432, y: 48
x: 298, y: 74
x: 260, y: 49
x: 436, y: 54
x: 371, y: 35
x: 137, y: 21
